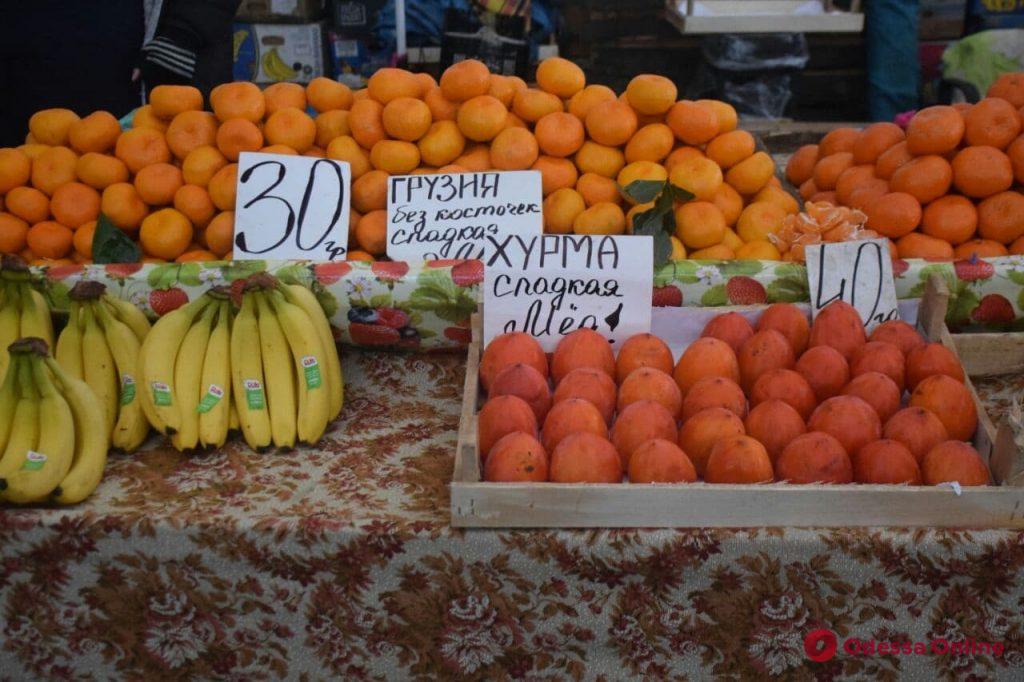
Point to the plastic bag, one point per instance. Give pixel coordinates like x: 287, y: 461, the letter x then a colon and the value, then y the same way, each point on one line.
x: 756, y: 51
x: 766, y: 97
x: 981, y: 58
x: 753, y: 72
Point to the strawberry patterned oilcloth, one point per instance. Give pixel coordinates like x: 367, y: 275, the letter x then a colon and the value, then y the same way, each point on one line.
x: 420, y: 306
x: 985, y: 294
x: 339, y: 563
x: 427, y: 305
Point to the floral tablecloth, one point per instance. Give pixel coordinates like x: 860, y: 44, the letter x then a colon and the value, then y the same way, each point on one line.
x: 340, y: 563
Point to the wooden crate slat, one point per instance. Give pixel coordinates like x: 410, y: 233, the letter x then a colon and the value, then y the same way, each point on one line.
x: 561, y: 505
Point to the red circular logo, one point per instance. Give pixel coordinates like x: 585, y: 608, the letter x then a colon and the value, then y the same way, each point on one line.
x: 820, y: 645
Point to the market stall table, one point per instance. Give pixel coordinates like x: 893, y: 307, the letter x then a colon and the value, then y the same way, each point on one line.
x: 340, y: 562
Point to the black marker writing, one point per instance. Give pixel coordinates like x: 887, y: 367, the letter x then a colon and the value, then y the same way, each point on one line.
x: 867, y: 262
x: 294, y: 225
x: 557, y: 287
x: 575, y: 252
x: 444, y: 188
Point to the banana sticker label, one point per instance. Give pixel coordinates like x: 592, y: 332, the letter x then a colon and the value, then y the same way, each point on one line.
x: 161, y: 394
x: 34, y: 461
x: 213, y: 396
x: 311, y: 368
x: 127, y: 389
x: 254, y: 394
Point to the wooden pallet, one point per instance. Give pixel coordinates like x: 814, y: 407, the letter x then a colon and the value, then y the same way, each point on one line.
x: 475, y: 503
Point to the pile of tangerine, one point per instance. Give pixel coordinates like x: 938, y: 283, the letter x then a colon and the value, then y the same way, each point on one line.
x: 947, y: 187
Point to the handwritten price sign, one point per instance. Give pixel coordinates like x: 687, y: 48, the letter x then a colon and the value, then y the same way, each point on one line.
x: 552, y: 285
x: 859, y: 273
x: 291, y: 208
x: 451, y: 216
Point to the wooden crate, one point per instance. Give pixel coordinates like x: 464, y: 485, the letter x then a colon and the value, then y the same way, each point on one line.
x: 475, y: 503
x: 761, y: 16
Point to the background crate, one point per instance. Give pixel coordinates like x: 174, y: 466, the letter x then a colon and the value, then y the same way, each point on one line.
x: 763, y: 16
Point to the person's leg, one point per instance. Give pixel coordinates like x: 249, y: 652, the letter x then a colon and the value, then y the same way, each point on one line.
x: 893, y: 70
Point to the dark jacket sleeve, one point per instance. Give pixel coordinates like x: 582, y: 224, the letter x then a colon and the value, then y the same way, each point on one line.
x: 192, y: 44
x: 196, y: 24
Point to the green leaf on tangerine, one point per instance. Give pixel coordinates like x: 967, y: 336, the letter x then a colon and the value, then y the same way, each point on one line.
x: 111, y: 245
x: 644, y: 191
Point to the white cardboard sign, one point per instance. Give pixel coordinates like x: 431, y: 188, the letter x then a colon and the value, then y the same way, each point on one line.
x: 551, y: 285
x: 449, y: 216
x: 859, y: 273
x: 291, y: 208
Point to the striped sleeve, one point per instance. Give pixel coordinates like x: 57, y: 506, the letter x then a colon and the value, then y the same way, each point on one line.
x: 171, y: 56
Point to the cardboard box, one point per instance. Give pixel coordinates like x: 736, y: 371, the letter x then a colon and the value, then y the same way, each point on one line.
x: 271, y: 53
x: 356, y: 17
x: 354, y: 59
x: 988, y: 14
x: 280, y: 10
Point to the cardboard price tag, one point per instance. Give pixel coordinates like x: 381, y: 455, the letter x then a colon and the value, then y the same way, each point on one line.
x: 450, y: 216
x: 291, y: 208
x: 552, y: 285
x: 859, y: 273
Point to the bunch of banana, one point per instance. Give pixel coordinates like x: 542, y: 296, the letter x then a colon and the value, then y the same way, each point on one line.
x: 271, y: 370
x: 100, y: 345
x: 52, y: 435
x: 186, y: 372
x: 24, y: 311
x: 297, y: 366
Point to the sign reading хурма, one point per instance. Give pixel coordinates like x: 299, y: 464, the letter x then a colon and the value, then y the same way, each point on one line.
x: 551, y: 285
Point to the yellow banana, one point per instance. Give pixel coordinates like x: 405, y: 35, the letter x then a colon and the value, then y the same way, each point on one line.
x: 247, y: 376
x: 98, y: 367
x: 10, y: 393
x: 308, y: 356
x: 10, y: 322
x: 216, y: 384
x: 188, y: 372
x: 44, y: 468
x: 279, y: 374
x: 237, y: 38
x: 128, y: 314
x: 25, y: 426
x: 156, y: 365
x: 306, y: 299
x: 68, y: 352
x: 276, y: 68
x: 91, y: 440
x: 35, y: 315
x: 131, y: 427
x: 233, y: 424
